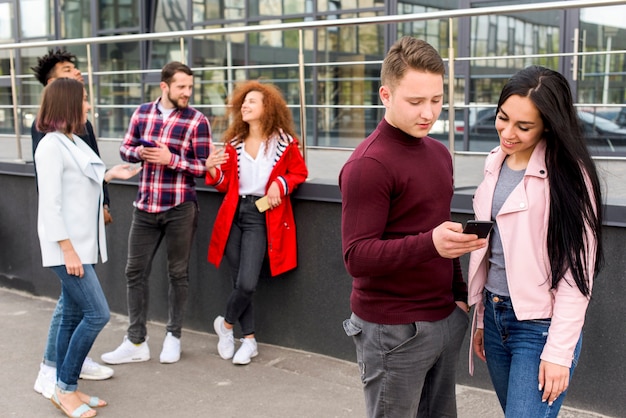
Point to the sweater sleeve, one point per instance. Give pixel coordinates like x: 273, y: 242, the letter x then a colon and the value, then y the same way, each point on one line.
x: 366, y: 190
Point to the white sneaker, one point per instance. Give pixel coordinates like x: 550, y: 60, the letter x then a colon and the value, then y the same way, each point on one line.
x: 226, y: 344
x: 46, y: 381
x: 247, y: 350
x: 128, y: 352
x: 94, y: 371
x: 171, y: 349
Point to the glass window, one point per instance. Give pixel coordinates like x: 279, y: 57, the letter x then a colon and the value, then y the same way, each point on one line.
x: 118, y: 94
x: 171, y: 15
x: 119, y: 14
x: 270, y: 8
x: 35, y: 18
x: 602, y: 78
x: 234, y: 9
x: 31, y: 88
x: 365, y: 39
x: 7, y: 125
x: 6, y: 22
x: 76, y: 19
x: 435, y: 32
x: 330, y: 5
x: 118, y: 97
x: 120, y: 56
x: 295, y: 6
x: 166, y: 50
x: 204, y: 10
x: 212, y: 85
x: 271, y: 38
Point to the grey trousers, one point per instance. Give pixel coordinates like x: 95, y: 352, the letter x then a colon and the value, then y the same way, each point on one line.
x: 409, y: 370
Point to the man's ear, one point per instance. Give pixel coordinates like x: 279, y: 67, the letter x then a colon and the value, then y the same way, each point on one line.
x: 385, y: 94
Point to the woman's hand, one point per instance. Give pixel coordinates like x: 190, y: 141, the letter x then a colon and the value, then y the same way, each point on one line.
x: 73, y: 265
x: 122, y: 172
x: 478, y: 344
x: 274, y: 195
x: 553, y: 380
x: 216, y: 158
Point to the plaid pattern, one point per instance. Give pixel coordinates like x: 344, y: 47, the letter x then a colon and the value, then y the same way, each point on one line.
x: 187, y: 134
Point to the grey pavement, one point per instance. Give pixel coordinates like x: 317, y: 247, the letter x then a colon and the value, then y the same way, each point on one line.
x: 279, y: 383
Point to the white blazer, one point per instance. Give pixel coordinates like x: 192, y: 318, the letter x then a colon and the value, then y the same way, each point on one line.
x: 69, y: 177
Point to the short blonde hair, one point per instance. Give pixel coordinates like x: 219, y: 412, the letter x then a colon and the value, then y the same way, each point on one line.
x: 410, y: 52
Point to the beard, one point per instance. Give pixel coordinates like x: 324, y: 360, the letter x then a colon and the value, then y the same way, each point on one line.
x: 179, y: 102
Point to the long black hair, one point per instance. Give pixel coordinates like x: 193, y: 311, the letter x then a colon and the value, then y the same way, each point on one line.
x: 575, y: 194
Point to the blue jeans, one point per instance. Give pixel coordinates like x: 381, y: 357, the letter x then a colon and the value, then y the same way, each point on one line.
x: 50, y: 353
x: 513, y: 349
x: 245, y: 250
x: 178, y: 226
x: 85, y: 313
x: 409, y: 370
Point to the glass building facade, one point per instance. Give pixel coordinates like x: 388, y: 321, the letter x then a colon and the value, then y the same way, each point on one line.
x: 342, y: 63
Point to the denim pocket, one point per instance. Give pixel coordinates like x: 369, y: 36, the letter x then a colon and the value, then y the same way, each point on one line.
x: 350, y: 328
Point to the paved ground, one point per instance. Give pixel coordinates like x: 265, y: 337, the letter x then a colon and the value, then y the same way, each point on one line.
x: 279, y: 383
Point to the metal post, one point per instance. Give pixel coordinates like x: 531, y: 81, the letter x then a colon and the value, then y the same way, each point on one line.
x: 451, y: 129
x: 575, y: 56
x: 302, y: 94
x: 91, y: 90
x: 15, y: 112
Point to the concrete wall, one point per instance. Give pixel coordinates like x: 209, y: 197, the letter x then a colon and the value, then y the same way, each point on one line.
x: 304, y: 308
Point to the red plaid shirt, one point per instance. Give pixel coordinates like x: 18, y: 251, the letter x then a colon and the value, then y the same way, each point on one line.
x: 187, y: 134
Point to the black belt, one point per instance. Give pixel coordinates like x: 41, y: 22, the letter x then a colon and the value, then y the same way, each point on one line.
x: 250, y: 197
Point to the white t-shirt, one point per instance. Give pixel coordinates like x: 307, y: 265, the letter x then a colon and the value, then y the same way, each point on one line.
x: 255, y: 173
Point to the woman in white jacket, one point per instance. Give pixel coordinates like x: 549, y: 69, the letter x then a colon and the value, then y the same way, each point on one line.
x: 71, y: 232
x: 532, y: 284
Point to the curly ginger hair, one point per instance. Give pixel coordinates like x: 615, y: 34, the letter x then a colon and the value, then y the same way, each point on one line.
x: 276, y: 115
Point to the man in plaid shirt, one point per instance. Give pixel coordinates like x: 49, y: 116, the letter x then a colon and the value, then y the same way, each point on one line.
x: 172, y: 141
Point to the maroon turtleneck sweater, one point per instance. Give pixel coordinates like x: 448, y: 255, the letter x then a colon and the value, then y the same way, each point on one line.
x: 395, y: 190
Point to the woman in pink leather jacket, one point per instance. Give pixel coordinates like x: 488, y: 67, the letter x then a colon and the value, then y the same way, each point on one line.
x: 532, y: 284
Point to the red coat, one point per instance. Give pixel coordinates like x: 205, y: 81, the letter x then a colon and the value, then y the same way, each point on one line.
x: 289, y: 171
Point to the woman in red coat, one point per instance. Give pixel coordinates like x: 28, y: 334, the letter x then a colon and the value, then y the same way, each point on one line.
x: 260, y: 159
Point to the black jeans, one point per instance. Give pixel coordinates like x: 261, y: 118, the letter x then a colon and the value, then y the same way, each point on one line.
x: 178, y: 226
x: 245, y: 250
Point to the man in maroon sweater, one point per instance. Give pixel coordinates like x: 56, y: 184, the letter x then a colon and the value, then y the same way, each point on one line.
x: 409, y: 299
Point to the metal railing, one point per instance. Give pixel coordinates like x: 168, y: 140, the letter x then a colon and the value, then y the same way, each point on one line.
x: 309, y: 25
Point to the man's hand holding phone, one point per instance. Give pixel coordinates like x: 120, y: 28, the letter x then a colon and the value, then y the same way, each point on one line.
x: 451, y: 242
x: 147, y: 142
x: 480, y: 228
x: 154, y: 152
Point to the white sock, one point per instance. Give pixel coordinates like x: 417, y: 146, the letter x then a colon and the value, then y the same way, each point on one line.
x: 224, y: 327
x: 48, y: 369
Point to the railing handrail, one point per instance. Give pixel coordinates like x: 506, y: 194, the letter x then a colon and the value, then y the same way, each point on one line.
x: 315, y: 24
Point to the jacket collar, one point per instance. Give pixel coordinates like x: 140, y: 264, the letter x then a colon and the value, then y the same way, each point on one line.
x: 84, y: 157
x: 536, y: 165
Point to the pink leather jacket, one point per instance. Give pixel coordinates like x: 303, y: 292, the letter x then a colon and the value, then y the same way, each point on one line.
x: 523, y: 226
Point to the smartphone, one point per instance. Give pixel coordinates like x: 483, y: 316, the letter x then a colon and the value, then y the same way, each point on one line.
x: 147, y: 142
x: 480, y: 228
x: 262, y: 204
